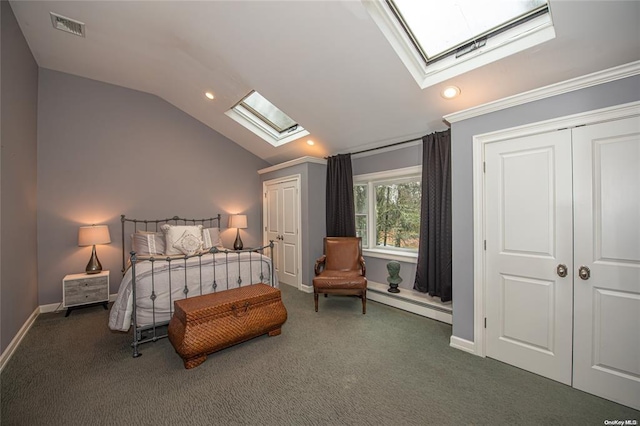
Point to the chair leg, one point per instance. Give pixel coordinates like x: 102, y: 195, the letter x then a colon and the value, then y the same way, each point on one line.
x: 325, y: 295
x: 315, y: 299
x: 364, y: 302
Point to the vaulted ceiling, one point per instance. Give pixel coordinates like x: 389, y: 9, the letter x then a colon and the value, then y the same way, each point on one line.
x: 325, y: 63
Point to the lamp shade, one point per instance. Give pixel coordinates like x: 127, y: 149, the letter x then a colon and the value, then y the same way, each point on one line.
x: 92, y: 235
x: 238, y: 221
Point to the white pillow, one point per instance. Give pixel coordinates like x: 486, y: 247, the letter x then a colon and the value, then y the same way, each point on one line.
x: 211, y: 238
x: 182, y: 239
x: 148, y: 243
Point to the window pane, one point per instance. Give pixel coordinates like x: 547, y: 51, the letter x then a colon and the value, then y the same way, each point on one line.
x: 360, y: 198
x: 361, y: 229
x: 268, y: 112
x: 398, y: 214
x: 442, y: 25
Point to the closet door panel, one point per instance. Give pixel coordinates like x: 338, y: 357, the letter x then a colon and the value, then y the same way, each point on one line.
x: 607, y: 248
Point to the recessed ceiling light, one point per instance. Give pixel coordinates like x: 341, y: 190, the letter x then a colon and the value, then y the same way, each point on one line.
x: 450, y: 92
x: 310, y: 142
x: 209, y: 95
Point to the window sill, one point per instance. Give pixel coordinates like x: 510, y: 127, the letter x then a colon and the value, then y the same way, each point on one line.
x: 391, y: 255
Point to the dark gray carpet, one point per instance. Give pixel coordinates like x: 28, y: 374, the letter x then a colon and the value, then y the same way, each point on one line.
x: 335, y: 367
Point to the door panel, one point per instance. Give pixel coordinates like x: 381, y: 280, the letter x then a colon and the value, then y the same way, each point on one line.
x: 273, y: 213
x: 289, y: 210
x: 527, y: 313
x: 289, y: 262
x: 529, y: 232
x: 521, y: 202
x: 607, y: 241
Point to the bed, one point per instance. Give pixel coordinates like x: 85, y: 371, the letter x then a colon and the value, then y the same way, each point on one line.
x: 176, y: 258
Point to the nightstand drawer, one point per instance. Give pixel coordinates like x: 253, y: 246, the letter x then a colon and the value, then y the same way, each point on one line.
x: 80, y: 291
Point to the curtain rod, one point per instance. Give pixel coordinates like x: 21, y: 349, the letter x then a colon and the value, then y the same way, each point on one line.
x: 382, y: 147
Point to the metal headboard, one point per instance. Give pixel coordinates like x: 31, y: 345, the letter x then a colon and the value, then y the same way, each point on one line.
x: 154, y: 226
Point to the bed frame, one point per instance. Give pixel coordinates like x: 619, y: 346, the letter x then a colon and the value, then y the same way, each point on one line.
x: 158, y: 330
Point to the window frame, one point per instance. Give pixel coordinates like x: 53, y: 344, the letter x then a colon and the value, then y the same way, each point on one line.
x: 528, y: 34
x: 261, y: 126
x: 371, y: 180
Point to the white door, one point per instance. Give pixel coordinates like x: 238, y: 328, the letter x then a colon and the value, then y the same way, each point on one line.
x: 281, y: 211
x: 606, y: 357
x: 528, y: 231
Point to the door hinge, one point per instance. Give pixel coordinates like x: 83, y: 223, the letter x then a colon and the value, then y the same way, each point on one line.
x: 484, y: 167
x: 485, y: 322
x: 265, y: 195
x: 485, y: 245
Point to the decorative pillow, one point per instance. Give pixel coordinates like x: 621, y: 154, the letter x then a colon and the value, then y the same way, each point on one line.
x: 188, y: 243
x: 178, y: 240
x: 211, y: 238
x: 148, y: 243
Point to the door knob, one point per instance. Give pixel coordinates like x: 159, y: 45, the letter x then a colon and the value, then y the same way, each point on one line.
x: 584, y: 272
x: 562, y: 270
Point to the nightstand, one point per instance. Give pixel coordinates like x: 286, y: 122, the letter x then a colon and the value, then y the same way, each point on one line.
x: 83, y: 290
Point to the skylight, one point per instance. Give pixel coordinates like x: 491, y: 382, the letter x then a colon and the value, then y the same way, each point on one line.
x: 266, y: 120
x: 439, y: 27
x: 440, y: 39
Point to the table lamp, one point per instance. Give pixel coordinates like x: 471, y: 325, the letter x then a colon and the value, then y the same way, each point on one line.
x: 90, y: 236
x: 238, y: 221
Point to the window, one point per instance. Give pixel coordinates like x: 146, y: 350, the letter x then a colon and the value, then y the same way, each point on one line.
x: 441, y: 39
x: 266, y: 120
x: 387, y: 209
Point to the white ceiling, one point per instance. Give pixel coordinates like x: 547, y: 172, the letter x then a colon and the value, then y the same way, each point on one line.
x: 324, y: 63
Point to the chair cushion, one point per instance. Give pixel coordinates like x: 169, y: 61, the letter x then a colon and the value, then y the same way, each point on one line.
x: 340, y: 280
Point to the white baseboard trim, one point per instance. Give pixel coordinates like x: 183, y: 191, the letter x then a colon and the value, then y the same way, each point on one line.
x: 378, y: 293
x: 51, y: 307
x: 55, y: 307
x: 8, y: 352
x: 463, y: 344
x: 306, y: 288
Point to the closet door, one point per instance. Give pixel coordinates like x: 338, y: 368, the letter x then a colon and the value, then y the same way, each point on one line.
x: 606, y: 357
x: 528, y: 211
x: 281, y: 206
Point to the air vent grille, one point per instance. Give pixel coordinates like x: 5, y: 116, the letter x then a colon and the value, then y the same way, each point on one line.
x: 66, y: 24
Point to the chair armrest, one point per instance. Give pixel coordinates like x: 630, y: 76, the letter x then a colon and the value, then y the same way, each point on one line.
x: 320, y: 262
x: 364, y: 267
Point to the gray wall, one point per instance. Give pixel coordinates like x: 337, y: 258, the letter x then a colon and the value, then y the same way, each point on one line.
x: 105, y: 150
x: 317, y: 218
x: 19, y: 270
x: 391, y: 160
x: 605, y: 95
x: 312, y: 210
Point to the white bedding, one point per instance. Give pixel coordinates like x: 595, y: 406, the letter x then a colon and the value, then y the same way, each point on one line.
x: 251, y: 267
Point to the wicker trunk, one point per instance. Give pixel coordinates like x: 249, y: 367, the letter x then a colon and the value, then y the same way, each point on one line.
x: 205, y: 324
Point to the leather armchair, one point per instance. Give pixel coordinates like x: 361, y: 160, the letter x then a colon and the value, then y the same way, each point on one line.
x: 341, y: 270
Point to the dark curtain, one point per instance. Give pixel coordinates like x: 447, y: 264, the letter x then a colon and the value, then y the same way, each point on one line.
x: 341, y: 217
x: 433, y: 272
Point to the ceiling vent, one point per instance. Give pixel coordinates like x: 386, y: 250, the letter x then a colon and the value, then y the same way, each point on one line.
x: 66, y: 24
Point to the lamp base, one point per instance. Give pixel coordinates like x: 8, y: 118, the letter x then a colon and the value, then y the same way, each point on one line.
x: 94, y: 266
x: 237, y: 245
